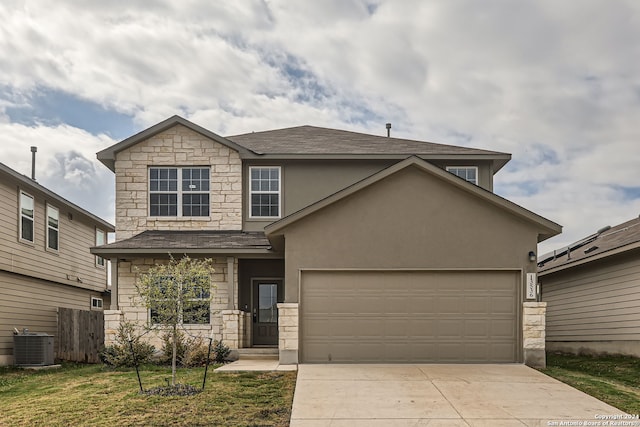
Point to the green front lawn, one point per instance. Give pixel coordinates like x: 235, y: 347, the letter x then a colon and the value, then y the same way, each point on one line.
x: 612, y: 379
x: 89, y: 395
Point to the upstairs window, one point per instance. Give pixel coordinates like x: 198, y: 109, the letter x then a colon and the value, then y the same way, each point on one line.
x: 264, y: 192
x: 468, y: 173
x: 100, y: 240
x: 179, y: 192
x: 53, y: 227
x: 26, y: 217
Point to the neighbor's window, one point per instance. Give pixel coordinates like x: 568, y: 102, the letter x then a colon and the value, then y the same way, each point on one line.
x: 264, y: 192
x: 179, y: 192
x: 26, y: 217
x: 53, y: 227
x: 195, y: 310
x: 100, y: 240
x: 468, y: 173
x: 96, y: 303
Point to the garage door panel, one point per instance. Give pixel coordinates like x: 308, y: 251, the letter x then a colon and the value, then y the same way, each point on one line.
x: 409, y: 316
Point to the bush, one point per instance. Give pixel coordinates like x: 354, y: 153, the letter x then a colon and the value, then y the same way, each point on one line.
x: 192, y: 351
x: 221, y: 352
x: 167, y: 348
x: 196, y: 353
x: 119, y: 355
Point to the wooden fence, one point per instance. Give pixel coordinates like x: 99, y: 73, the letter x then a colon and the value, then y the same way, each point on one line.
x: 80, y: 335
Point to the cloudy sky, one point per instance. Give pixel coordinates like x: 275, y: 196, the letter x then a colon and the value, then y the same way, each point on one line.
x: 555, y: 83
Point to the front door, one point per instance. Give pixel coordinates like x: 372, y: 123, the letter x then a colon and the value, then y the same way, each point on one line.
x: 266, y: 295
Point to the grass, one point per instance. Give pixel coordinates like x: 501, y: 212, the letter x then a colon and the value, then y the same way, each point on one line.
x: 612, y: 379
x: 90, y: 395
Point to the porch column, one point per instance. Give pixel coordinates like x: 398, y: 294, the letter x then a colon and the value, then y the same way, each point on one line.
x: 533, y: 333
x: 288, y: 333
x: 232, y: 328
x: 112, y: 319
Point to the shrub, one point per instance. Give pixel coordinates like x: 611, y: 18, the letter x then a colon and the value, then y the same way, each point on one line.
x: 119, y: 354
x: 167, y: 347
x: 195, y: 353
x: 221, y: 352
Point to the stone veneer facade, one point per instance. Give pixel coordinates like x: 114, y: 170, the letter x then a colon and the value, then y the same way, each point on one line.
x: 131, y: 309
x: 288, y: 330
x: 533, y: 333
x: 177, y: 146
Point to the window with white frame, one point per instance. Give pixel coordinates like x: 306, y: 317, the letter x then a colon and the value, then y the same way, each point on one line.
x: 468, y: 173
x: 179, y: 192
x: 53, y: 228
x: 26, y: 217
x: 100, y: 240
x: 96, y: 303
x: 264, y: 189
x: 193, y: 311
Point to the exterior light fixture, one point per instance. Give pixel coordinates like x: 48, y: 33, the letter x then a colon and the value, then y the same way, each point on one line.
x: 532, y: 256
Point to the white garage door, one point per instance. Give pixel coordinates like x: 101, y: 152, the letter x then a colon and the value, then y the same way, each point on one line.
x: 409, y: 316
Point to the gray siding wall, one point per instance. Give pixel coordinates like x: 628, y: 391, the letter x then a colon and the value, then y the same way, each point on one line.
x: 31, y: 303
x: 76, y: 235
x: 594, y: 302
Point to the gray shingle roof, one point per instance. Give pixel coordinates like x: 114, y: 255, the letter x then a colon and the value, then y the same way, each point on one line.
x: 597, y: 245
x: 165, y: 241
x: 318, y: 140
x: 311, y: 142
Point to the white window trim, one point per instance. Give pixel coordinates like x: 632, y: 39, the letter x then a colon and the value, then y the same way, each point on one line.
x: 465, y: 167
x: 47, y: 227
x: 98, y: 257
x: 33, y: 219
x: 181, y: 317
x: 101, y: 303
x: 279, y: 192
x: 179, y: 193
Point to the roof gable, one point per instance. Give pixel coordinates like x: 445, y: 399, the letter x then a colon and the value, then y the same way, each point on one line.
x: 546, y: 227
x: 108, y: 155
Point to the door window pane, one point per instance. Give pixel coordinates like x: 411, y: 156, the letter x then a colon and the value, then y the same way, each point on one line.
x: 267, y: 303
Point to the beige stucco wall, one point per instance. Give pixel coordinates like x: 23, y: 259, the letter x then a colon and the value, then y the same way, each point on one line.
x: 178, y: 146
x: 306, y: 182
x: 133, y: 310
x: 410, y: 219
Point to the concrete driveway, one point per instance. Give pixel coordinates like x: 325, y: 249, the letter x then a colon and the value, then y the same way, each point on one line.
x: 438, y: 395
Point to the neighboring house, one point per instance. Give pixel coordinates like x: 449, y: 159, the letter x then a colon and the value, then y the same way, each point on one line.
x: 332, y: 246
x: 592, y: 289
x: 45, y: 261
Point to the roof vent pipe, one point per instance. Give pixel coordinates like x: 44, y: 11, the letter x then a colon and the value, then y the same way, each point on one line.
x: 388, y: 130
x: 33, y: 162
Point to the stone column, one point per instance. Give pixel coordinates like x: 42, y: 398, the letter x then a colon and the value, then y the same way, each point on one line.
x: 533, y: 333
x: 288, y: 333
x: 112, y: 319
x: 231, y: 328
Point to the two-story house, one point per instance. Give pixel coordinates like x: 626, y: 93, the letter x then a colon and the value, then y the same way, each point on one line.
x: 45, y: 261
x: 332, y: 246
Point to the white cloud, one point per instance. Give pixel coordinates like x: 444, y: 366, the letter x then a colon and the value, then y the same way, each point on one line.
x: 557, y: 84
x: 65, y: 163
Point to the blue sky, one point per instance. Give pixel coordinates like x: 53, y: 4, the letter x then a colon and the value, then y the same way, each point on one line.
x: 557, y: 84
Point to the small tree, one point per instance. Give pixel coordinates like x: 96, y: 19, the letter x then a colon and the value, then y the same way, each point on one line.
x: 175, y: 293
